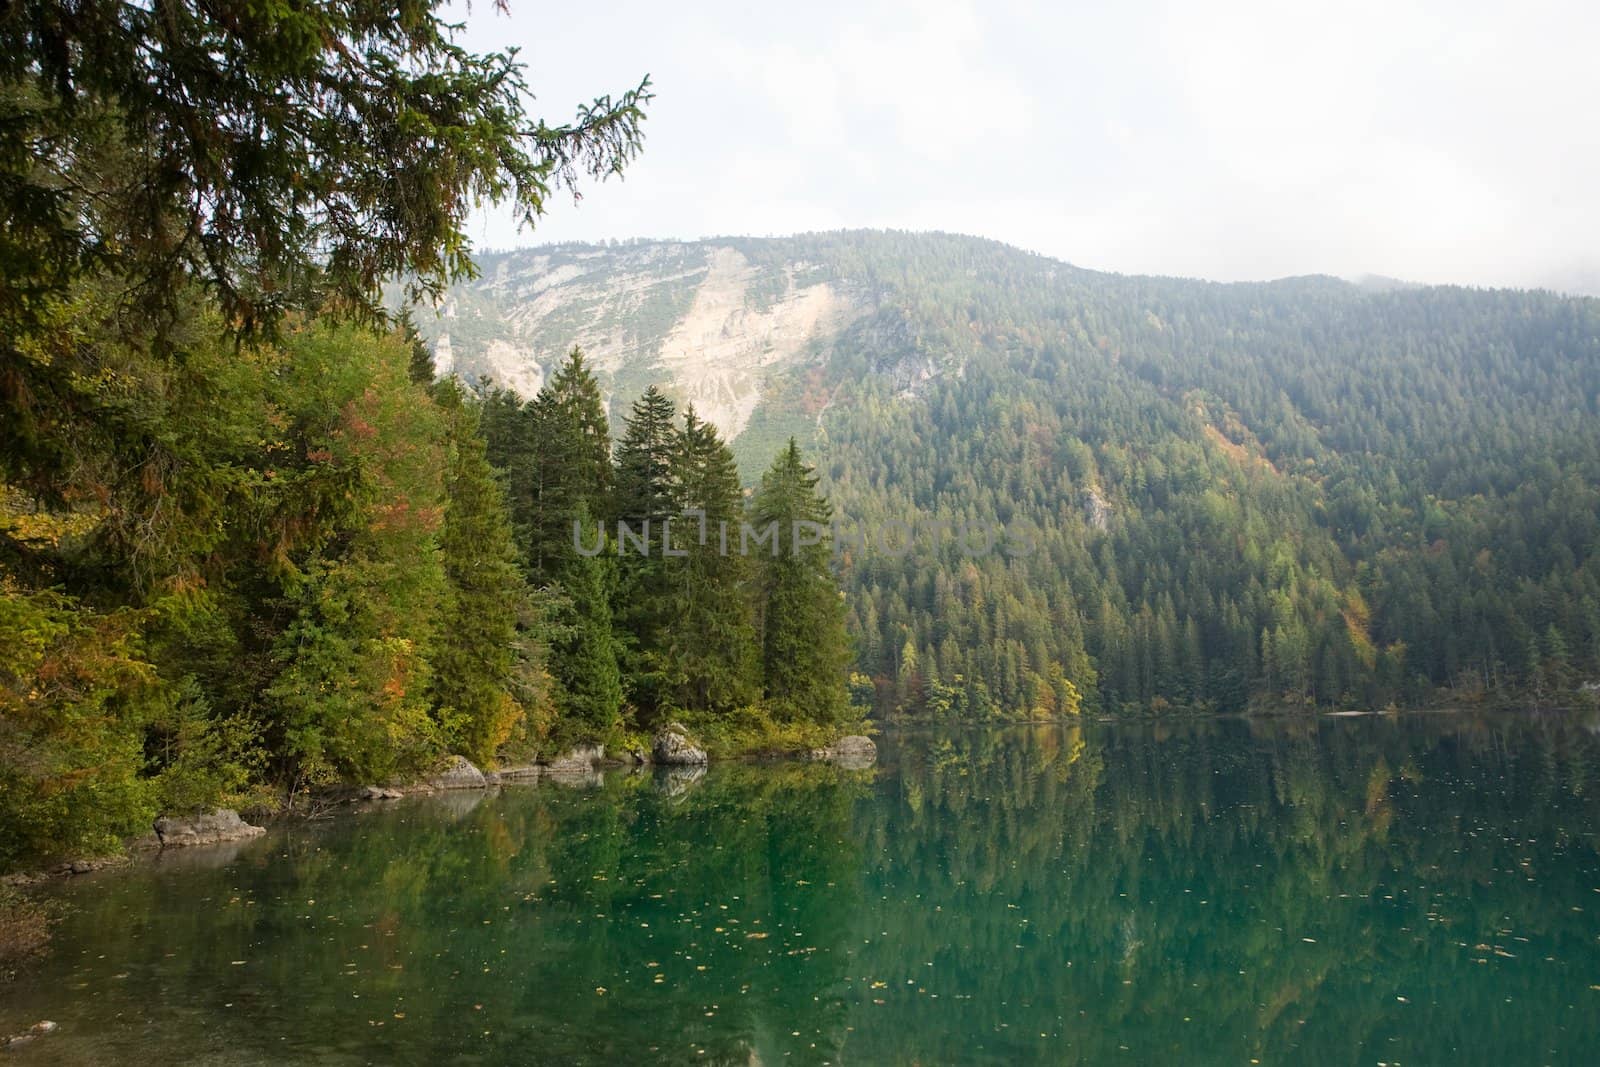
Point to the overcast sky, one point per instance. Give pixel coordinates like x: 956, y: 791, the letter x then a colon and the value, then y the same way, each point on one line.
x: 1436, y: 142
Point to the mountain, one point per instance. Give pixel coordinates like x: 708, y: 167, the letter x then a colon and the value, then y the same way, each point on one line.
x: 737, y: 327
x: 1302, y: 491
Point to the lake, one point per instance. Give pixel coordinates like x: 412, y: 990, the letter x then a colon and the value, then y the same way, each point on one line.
x: 1415, y: 889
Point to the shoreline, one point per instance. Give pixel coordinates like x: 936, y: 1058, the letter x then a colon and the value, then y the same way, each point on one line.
x: 578, y: 764
x: 583, y: 764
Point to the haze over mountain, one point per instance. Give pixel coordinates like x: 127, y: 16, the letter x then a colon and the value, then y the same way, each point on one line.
x: 1307, y: 489
x: 1241, y: 140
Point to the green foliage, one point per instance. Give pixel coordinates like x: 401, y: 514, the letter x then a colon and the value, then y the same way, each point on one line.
x: 709, y: 658
x: 339, y: 143
x: 196, y: 756
x: 348, y: 699
x: 1295, y: 493
x: 475, y: 650
x: 307, y: 577
x: 72, y: 705
x: 804, y: 651
x: 590, y: 696
x: 555, y: 455
x: 240, y: 543
x: 758, y: 730
x: 1300, y: 493
x: 644, y: 489
x: 555, y: 452
x: 667, y: 633
x: 643, y: 503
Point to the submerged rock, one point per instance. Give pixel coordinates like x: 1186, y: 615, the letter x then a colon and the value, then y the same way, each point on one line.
x: 673, y: 746
x: 78, y: 866
x: 209, y: 828
x: 852, y: 751
x: 458, y: 773
x: 37, y: 1030
x: 380, y: 792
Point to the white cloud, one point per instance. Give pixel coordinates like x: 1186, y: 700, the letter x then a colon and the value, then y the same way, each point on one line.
x: 1431, y: 140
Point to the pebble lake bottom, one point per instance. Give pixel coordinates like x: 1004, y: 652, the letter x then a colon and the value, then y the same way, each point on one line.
x: 1414, y: 889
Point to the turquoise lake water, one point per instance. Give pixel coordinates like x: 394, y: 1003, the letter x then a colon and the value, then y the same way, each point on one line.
x: 1418, y: 889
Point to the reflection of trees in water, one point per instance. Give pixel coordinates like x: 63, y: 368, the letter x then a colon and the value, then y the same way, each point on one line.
x: 1276, y: 885
x: 493, y: 931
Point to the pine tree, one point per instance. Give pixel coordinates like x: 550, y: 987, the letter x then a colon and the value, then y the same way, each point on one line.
x: 582, y: 411
x: 804, y: 649
x: 585, y: 651
x: 642, y: 502
x: 710, y: 659
x: 560, y: 450
x: 644, y: 463
x: 473, y: 655
x: 422, y: 370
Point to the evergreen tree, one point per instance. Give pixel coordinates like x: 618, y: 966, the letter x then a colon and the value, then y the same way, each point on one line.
x: 804, y: 650
x: 347, y: 696
x: 555, y: 451
x: 710, y: 660
x: 644, y: 490
x: 582, y: 412
x: 643, y: 501
x: 243, y: 516
x: 474, y: 653
x: 585, y: 647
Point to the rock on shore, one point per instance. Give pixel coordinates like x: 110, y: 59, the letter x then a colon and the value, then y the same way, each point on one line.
x: 457, y: 773
x: 672, y: 746
x: 580, y: 761
x: 579, y: 767
x: 208, y: 828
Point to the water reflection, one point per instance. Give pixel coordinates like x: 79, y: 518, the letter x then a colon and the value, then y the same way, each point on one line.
x: 1414, y: 890
x: 1408, y: 889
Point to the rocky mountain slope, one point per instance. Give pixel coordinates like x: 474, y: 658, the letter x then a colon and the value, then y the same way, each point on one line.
x: 707, y: 321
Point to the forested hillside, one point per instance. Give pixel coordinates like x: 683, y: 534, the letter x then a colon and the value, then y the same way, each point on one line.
x: 252, y: 546
x: 1297, y: 492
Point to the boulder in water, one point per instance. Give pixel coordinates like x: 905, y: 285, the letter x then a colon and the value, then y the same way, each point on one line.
x: 457, y: 773
x: 580, y: 766
x: 580, y: 760
x: 37, y: 1030
x: 207, y: 828
x: 672, y: 746
x: 852, y: 751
